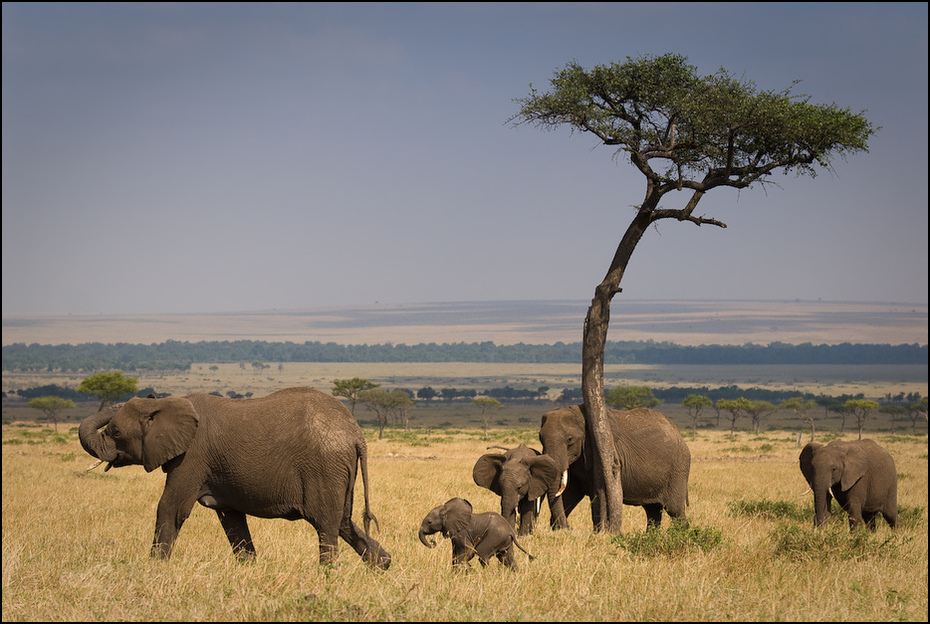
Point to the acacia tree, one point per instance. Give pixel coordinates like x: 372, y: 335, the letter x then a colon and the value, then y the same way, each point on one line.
x: 51, y: 405
x: 486, y: 403
x: 802, y: 409
x: 349, y: 388
x: 695, y: 404
x: 109, y: 387
x: 860, y: 408
x: 631, y: 397
x: 736, y: 407
x: 688, y: 134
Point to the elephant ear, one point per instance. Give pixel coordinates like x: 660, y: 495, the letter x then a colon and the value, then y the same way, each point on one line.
x: 456, y: 516
x: 168, y: 428
x: 807, y: 461
x: 854, y: 468
x: 487, y: 472
x: 544, y: 472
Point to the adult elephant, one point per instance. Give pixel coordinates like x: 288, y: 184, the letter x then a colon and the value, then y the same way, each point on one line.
x: 654, y: 462
x: 521, y: 476
x: 292, y: 454
x: 860, y: 474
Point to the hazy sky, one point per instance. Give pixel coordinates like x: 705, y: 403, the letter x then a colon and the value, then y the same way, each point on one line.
x: 186, y: 157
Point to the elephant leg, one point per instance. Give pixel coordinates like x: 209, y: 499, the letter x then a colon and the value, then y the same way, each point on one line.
x: 527, y: 509
x: 892, y: 518
x: 461, y: 553
x: 557, y: 519
x: 869, y: 517
x: 329, y: 544
x: 855, y: 519
x: 653, y: 515
x: 564, y: 505
x: 368, y: 549
x: 237, y: 532
x: 505, y: 556
x: 173, y: 510
x: 485, y: 551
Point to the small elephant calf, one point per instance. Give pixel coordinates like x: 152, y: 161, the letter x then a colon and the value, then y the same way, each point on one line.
x: 485, y: 534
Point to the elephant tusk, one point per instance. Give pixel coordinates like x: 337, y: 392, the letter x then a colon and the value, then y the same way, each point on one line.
x: 95, y: 464
x: 538, y: 505
x: 563, y: 485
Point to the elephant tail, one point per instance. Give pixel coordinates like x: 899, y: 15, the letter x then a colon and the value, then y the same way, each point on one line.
x: 520, y: 546
x: 361, y: 450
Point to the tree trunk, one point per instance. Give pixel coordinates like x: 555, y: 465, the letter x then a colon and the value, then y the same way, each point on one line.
x: 607, y: 502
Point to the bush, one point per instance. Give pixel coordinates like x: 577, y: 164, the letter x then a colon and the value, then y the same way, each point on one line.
x: 833, y: 542
x: 680, y: 538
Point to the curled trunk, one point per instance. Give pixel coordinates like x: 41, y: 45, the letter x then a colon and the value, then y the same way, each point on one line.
x: 92, y: 440
x: 429, y: 543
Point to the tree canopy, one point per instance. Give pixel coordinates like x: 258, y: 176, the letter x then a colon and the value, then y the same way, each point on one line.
x: 683, y: 132
x: 51, y: 405
x: 109, y: 387
x: 349, y: 388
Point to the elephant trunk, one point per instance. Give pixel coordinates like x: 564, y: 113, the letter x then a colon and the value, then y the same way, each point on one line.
x: 429, y: 543
x: 509, y: 503
x: 94, y: 442
x: 822, y: 501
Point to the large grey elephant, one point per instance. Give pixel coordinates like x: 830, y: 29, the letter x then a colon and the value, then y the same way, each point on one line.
x: 521, y: 476
x: 485, y: 534
x: 654, y: 462
x: 292, y: 454
x: 860, y: 474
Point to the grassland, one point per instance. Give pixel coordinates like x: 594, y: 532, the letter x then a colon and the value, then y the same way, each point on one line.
x: 75, y: 545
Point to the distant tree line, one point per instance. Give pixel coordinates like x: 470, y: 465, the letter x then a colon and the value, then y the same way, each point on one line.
x: 173, y: 355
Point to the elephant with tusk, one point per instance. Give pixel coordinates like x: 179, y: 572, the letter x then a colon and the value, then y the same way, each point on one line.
x: 294, y: 454
x: 521, y: 476
x: 654, y: 462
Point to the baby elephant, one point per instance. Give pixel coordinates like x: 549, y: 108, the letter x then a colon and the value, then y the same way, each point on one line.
x: 485, y: 534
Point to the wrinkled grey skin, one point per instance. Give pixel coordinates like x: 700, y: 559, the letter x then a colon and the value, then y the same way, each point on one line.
x: 485, y: 534
x: 654, y: 462
x: 521, y: 476
x: 860, y: 474
x: 292, y: 454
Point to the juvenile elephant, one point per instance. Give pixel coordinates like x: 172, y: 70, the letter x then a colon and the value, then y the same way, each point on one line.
x: 292, y: 454
x: 654, y: 462
x: 485, y: 534
x: 521, y: 476
x: 860, y: 474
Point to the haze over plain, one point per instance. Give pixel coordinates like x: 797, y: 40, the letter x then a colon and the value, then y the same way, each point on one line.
x: 226, y: 158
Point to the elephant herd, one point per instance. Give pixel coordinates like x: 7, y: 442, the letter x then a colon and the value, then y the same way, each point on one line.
x: 296, y: 454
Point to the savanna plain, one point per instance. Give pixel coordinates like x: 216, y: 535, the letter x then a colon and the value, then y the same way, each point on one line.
x: 76, y: 542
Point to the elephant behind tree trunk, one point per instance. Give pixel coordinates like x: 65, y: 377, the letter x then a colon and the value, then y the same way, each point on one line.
x: 655, y: 462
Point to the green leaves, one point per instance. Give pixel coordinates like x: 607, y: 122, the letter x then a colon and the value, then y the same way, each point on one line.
x: 714, y: 130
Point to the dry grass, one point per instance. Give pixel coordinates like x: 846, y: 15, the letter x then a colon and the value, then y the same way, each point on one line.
x: 75, y: 547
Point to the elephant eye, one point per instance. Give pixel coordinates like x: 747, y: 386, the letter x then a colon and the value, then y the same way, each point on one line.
x: 114, y: 432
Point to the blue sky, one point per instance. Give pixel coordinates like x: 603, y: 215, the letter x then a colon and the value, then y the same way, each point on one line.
x: 186, y: 157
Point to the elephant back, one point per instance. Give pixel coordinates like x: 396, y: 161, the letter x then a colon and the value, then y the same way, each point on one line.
x: 655, y: 461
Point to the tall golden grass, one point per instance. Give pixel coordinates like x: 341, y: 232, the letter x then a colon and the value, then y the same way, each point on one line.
x: 76, y: 543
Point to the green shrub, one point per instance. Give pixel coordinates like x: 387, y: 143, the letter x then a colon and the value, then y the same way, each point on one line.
x: 772, y: 510
x: 834, y: 542
x: 680, y: 538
